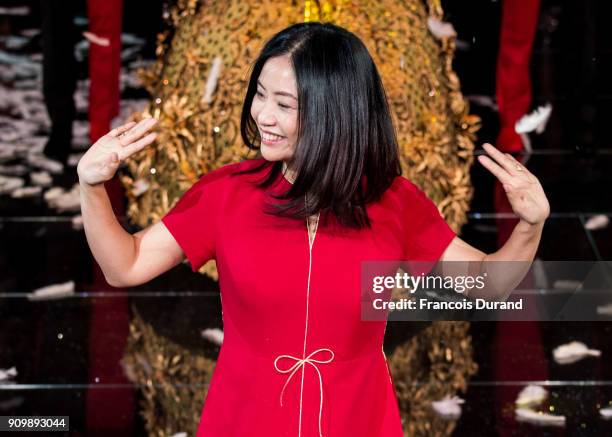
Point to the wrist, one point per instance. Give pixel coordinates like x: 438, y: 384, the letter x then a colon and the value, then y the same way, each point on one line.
x: 85, y: 186
x: 526, y: 227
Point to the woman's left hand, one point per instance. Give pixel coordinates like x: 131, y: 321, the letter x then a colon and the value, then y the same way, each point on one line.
x: 523, y: 189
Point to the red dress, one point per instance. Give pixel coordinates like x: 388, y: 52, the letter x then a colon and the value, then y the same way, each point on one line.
x: 297, y: 360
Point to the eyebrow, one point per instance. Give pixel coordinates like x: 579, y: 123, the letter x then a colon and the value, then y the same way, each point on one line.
x: 280, y: 93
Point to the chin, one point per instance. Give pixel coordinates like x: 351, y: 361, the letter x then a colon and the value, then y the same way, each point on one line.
x: 269, y: 154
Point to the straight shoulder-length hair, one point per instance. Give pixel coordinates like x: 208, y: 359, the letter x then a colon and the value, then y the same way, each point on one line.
x: 346, y: 154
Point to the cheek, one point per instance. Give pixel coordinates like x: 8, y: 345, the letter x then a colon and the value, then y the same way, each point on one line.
x: 290, y: 125
x: 256, y: 107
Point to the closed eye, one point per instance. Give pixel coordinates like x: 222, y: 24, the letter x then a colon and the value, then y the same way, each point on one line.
x: 259, y: 94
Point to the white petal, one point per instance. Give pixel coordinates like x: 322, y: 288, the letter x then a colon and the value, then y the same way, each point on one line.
x: 9, y: 184
x: 534, y: 121
x: 19, y: 10
x: 26, y: 192
x: 45, y: 163
x: 211, y: 82
x: 41, y: 178
x: 605, y: 310
x: 77, y: 222
x: 440, y: 29
x: 54, y: 291
x: 6, y: 374
x: 140, y: 186
x: 539, y: 418
x: 606, y: 412
x: 572, y: 352
x: 531, y: 395
x: 214, y: 335
x: 448, y: 407
x: 95, y: 39
x: 598, y: 221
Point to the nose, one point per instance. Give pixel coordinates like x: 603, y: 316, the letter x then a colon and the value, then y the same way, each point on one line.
x: 266, y: 116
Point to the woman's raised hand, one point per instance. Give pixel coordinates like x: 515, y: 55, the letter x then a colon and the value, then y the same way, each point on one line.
x: 523, y: 189
x: 102, y: 159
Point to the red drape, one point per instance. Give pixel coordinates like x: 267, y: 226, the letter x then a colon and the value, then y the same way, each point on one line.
x: 517, y: 353
x: 107, y: 409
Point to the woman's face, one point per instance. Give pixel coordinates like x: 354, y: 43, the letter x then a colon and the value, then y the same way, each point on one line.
x: 275, y: 109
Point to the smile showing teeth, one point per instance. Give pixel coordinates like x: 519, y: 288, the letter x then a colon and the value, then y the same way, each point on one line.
x: 270, y: 138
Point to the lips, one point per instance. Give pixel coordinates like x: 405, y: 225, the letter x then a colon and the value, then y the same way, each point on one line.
x: 271, y: 134
x: 269, y: 138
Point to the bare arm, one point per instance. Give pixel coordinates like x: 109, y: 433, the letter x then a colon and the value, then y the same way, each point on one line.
x: 529, y: 202
x: 125, y: 259
x: 502, y: 277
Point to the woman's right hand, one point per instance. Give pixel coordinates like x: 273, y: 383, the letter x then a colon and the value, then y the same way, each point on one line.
x: 100, y: 163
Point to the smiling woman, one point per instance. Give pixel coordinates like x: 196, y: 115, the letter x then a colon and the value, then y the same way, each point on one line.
x: 275, y: 109
x: 316, y: 109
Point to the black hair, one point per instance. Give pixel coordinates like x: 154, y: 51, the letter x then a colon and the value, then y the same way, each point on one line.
x: 345, y: 133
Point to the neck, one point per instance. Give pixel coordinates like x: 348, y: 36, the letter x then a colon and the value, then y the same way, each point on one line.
x: 288, y: 173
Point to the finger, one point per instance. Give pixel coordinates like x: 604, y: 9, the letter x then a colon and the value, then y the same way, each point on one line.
x: 501, y: 159
x: 520, y: 169
x: 129, y: 150
x: 120, y: 129
x: 137, y: 131
x: 515, y: 162
x: 498, y: 171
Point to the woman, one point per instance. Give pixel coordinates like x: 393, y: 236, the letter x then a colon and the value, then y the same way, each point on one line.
x: 289, y: 231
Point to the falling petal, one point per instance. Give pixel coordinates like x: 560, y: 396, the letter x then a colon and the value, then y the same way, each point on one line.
x: 598, y: 221
x: 7, y: 374
x: 61, y: 200
x: 531, y: 395
x: 26, y: 192
x: 534, y: 121
x: 19, y: 10
x: 13, y: 170
x: 53, y: 291
x: 40, y: 161
x: 9, y: 184
x: 448, y: 407
x: 77, y: 222
x: 140, y: 186
x: 605, y: 310
x: 572, y: 352
x: 41, y: 178
x: 539, y: 418
x: 95, y: 39
x: 74, y: 158
x: 441, y: 29
x: 214, y: 335
x: 211, y: 83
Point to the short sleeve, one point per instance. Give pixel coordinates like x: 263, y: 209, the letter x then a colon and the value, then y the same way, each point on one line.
x: 193, y: 221
x: 426, y: 233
